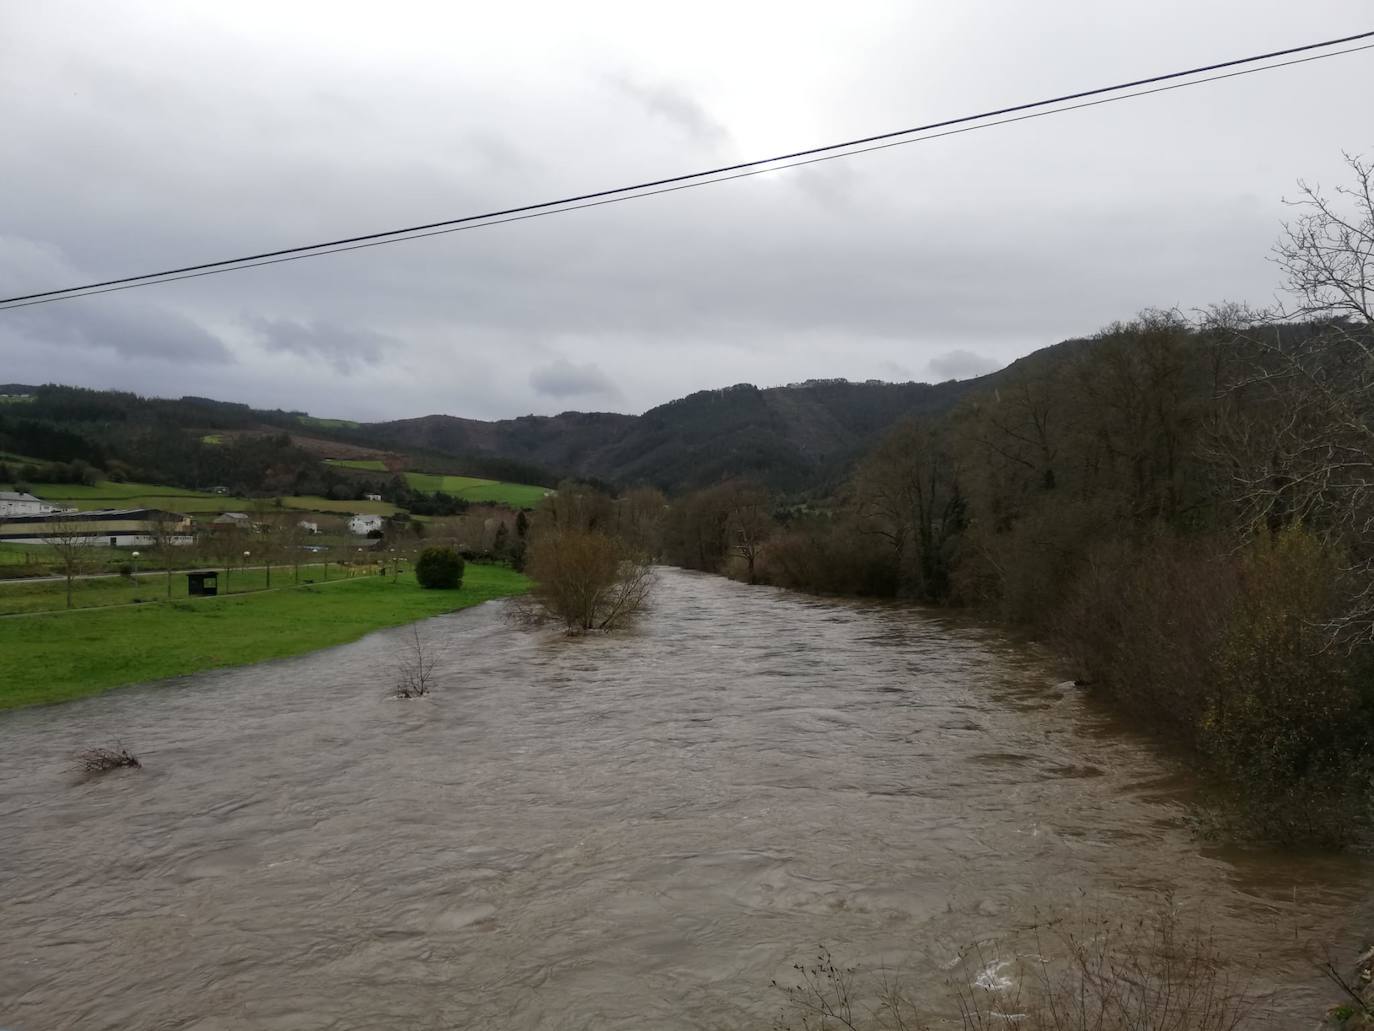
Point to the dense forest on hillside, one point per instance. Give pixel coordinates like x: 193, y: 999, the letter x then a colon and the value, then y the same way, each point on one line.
x: 799, y: 437
x: 803, y: 437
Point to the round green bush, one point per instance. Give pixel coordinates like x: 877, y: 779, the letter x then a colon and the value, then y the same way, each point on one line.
x: 440, y: 568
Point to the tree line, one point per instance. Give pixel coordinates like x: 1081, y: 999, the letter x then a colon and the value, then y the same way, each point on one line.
x: 1184, y: 505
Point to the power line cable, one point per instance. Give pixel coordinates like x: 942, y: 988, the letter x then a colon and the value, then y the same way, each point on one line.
x: 725, y: 173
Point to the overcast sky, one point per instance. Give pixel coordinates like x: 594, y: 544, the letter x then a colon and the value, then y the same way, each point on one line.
x: 138, y: 136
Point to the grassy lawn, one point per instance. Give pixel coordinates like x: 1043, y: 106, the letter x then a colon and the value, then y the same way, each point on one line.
x: 471, y: 488
x: 51, y: 595
x: 40, y: 555
x: 71, y: 654
x: 24, y: 555
x: 107, y: 494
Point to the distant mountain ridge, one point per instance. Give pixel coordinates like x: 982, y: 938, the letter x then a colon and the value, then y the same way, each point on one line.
x: 795, y: 437
x: 789, y: 437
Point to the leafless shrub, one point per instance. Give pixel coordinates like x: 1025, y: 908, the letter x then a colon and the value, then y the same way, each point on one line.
x: 1150, y: 973
x: 585, y: 580
x: 98, y: 760
x: 415, y: 663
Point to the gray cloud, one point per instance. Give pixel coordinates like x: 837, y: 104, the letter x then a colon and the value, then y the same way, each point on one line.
x: 673, y: 106
x: 988, y: 244
x: 344, y: 349
x: 960, y: 365
x: 562, y: 379
x: 130, y: 327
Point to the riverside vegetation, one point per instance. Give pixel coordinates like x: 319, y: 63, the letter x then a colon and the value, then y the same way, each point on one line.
x: 1184, y: 506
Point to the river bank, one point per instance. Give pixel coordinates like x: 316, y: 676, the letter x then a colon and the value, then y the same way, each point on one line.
x: 59, y: 656
x: 1355, y: 1012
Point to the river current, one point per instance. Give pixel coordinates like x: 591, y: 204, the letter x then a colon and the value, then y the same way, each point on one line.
x: 635, y: 831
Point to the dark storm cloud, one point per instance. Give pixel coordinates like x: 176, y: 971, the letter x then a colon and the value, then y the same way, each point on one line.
x: 344, y: 349
x: 563, y: 379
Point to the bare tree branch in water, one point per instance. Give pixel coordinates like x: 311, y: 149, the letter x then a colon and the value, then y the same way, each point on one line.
x: 98, y: 760
x: 1112, y: 975
x: 415, y: 666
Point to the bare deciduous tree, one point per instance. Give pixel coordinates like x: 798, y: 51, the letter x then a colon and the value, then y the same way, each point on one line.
x: 165, y: 528
x: 1297, y: 433
x: 587, y: 580
x: 71, y: 541
x: 415, y: 666
x: 749, y: 523
x: 908, y: 495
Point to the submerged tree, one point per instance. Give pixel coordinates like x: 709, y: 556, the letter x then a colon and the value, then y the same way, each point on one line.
x: 587, y: 580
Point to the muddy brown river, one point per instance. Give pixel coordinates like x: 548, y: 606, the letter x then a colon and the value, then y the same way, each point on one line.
x: 626, y: 832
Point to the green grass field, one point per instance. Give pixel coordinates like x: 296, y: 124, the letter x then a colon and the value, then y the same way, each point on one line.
x: 108, y: 490
x: 371, y: 465
x: 34, y: 555
x: 108, y: 494
x: 471, y: 488
x: 51, y: 595
x: 212, y: 438
x: 24, y: 555
x: 72, y: 654
x: 330, y: 424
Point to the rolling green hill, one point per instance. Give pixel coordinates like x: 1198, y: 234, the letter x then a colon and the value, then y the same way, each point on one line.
x: 471, y: 488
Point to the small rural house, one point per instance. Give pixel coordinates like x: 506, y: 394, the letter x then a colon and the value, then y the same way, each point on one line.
x: 362, y: 525
x: 227, y: 521
x: 373, y: 497
x: 308, y: 526
x: 14, y: 503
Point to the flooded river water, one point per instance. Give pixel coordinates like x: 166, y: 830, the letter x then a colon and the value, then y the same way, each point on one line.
x: 626, y: 832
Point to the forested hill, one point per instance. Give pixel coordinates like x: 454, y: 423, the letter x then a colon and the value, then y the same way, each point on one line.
x: 798, y: 437
x: 788, y: 437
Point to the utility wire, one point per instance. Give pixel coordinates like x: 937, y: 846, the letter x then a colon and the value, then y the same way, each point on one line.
x: 725, y: 173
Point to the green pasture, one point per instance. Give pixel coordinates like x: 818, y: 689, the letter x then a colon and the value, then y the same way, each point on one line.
x: 472, y: 488
x: 66, y: 655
